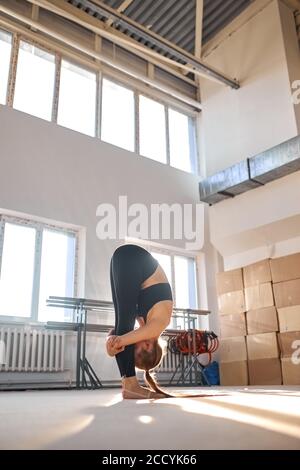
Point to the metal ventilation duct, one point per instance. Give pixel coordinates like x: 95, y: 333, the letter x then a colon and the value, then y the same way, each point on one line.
x: 268, y: 166
x: 227, y: 183
x: 277, y: 162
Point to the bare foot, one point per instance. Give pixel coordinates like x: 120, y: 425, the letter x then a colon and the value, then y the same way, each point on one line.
x: 140, y: 393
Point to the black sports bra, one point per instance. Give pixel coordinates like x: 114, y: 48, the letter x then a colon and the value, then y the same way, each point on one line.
x: 151, y: 295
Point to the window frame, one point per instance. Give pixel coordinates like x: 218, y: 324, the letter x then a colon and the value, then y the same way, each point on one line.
x: 5, y: 30
x: 17, y: 39
x: 194, y: 152
x: 167, y: 136
x: 39, y: 227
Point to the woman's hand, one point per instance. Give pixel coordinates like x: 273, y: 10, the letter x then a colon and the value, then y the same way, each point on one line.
x: 112, y: 345
x: 116, y: 341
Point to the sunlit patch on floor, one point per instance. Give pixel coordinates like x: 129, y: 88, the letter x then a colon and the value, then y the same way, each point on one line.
x: 145, y: 419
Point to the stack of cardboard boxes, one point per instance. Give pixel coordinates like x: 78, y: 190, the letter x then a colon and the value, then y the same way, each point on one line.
x: 262, y: 326
x: 286, y: 285
x: 233, y: 351
x: 250, y: 346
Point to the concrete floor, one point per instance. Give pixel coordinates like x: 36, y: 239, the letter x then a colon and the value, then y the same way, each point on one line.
x: 244, y: 418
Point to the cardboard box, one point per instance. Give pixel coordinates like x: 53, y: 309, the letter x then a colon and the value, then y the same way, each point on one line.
x: 233, y: 325
x: 287, y: 293
x: 260, y: 296
x: 230, y: 281
x: 257, y: 273
x: 262, y: 346
x: 289, y: 343
x: 290, y: 372
x: 233, y: 349
x: 285, y: 268
x: 262, y: 320
x: 232, y: 302
x: 234, y: 373
x: 265, y: 372
x: 289, y: 318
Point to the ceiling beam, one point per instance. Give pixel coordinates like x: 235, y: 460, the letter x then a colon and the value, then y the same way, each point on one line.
x: 98, y: 56
x: 74, y: 14
x: 198, y: 37
x: 195, y: 64
x: 125, y: 4
x: 78, y: 16
x: 35, y: 12
x: 198, y: 28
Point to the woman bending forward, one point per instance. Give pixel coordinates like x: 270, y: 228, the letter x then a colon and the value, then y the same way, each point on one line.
x: 140, y: 291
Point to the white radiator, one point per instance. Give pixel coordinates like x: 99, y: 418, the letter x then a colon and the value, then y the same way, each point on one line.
x: 31, y: 350
x: 171, y: 362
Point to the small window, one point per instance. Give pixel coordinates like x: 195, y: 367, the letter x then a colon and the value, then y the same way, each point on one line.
x: 152, y: 130
x: 77, y: 99
x: 118, y: 115
x: 35, y: 262
x: 35, y: 81
x: 5, y: 54
x: 182, y: 141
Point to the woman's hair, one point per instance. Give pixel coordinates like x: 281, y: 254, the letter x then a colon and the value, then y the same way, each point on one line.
x: 149, y: 360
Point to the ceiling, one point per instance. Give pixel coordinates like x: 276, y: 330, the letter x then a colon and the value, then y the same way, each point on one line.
x: 172, y: 19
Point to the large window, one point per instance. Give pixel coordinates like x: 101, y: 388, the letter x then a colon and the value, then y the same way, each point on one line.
x: 153, y: 142
x: 35, y: 81
x: 56, y: 89
x: 5, y: 53
x: 36, y: 261
x: 182, y: 275
x: 118, y: 115
x: 77, y: 99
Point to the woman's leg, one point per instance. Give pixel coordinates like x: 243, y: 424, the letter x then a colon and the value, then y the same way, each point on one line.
x: 125, y: 289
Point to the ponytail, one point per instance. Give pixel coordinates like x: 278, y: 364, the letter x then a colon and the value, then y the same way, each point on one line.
x: 147, y: 361
x: 150, y: 380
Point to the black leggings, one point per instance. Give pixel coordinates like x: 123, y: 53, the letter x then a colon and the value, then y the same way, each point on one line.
x: 130, y: 266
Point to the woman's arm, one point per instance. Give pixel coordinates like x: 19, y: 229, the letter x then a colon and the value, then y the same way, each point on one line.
x: 151, y: 329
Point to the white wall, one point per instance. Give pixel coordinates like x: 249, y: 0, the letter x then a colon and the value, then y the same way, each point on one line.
x: 52, y: 172
x: 264, y: 54
x: 261, y: 223
x: 292, y: 51
x: 241, y: 123
x: 261, y: 50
